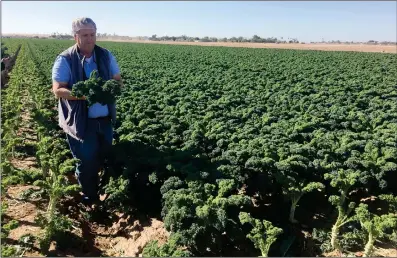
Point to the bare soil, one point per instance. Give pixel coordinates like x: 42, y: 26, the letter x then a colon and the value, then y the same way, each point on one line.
x: 133, y: 246
x: 386, y: 252
x: 319, y: 46
x: 23, y: 212
x: 379, y: 252
x: 124, y: 237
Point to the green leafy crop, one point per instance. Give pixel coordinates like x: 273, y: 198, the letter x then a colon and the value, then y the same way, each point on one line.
x: 95, y: 89
x: 374, y: 225
x: 263, y: 233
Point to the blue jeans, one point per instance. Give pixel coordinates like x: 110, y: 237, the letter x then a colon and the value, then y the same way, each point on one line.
x: 91, y: 153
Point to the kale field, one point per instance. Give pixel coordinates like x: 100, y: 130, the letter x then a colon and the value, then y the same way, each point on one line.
x: 239, y: 152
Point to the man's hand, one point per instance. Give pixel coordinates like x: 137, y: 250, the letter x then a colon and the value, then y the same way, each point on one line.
x: 117, y: 77
x: 60, y: 90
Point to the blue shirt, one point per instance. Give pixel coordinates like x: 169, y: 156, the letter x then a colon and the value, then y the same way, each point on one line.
x: 61, y: 72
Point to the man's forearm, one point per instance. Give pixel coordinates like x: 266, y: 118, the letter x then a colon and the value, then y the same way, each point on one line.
x: 66, y: 94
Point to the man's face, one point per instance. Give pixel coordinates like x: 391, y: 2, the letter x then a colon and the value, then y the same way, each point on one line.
x: 86, y: 39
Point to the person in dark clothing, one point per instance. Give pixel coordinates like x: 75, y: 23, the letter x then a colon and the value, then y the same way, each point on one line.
x: 4, y: 73
x: 4, y: 63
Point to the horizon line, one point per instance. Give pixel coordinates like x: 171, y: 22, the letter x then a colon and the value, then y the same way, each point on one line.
x: 124, y: 36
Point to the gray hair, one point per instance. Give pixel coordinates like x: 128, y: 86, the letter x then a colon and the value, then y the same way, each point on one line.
x: 80, y: 23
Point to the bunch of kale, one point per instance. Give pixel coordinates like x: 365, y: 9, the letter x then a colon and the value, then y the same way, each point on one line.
x: 95, y: 89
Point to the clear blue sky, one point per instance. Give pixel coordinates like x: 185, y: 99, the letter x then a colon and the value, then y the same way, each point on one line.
x: 307, y: 21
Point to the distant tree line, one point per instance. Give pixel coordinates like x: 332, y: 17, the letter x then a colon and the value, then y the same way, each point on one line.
x: 369, y: 42
x: 374, y: 42
x: 59, y: 36
x: 254, y: 39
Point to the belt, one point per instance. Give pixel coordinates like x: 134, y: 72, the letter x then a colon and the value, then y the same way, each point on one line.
x: 101, y: 118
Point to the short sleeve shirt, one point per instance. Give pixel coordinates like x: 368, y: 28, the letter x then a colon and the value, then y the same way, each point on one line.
x: 61, y: 72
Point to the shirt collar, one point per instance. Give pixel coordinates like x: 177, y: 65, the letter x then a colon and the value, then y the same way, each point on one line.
x: 81, y: 56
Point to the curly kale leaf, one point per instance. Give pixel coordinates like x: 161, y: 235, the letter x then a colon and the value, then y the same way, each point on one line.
x: 97, y: 90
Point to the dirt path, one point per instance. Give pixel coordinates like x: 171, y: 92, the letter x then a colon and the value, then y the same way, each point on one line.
x: 125, y: 237
x: 28, y: 160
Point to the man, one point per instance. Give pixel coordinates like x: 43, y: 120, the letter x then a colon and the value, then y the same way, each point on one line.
x: 88, y: 129
x: 5, y: 63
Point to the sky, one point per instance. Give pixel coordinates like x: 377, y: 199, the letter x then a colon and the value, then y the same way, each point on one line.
x: 307, y: 21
